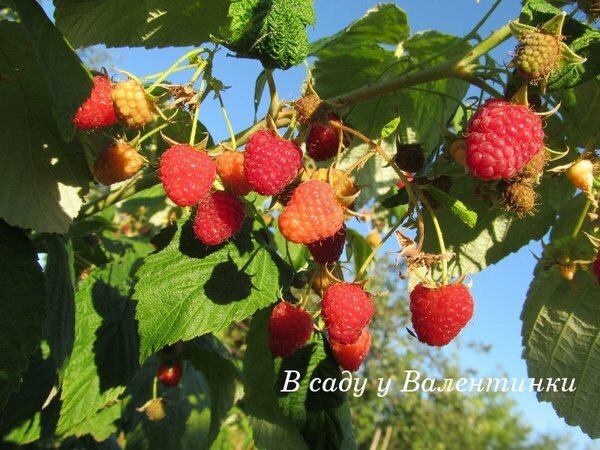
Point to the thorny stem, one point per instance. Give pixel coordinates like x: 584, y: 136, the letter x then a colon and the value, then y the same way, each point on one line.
x: 440, y: 237
x: 361, y: 161
x: 459, y: 67
x: 478, y: 82
x: 139, y: 183
x: 376, y: 249
x: 172, y: 69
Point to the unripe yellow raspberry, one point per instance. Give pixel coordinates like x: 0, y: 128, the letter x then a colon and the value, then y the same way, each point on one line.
x: 133, y: 106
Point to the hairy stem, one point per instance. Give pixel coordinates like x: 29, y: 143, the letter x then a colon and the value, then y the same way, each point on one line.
x: 460, y: 67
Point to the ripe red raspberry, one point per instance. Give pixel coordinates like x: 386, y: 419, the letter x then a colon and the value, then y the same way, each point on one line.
x: 290, y: 327
x: 328, y: 250
x: 98, y: 111
x: 230, y: 167
x: 186, y: 174
x: 116, y: 163
x: 596, y: 267
x: 219, y: 216
x: 501, y: 139
x: 323, y: 141
x: 271, y: 163
x: 169, y: 374
x: 351, y: 356
x: 346, y: 309
x: 439, y: 313
x: 133, y: 106
x: 312, y: 214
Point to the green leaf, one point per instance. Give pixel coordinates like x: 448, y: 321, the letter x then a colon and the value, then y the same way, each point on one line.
x: 187, y: 289
x: 390, y: 127
x: 24, y: 420
x: 497, y: 233
x: 273, y: 32
x: 455, y: 206
x: 152, y: 23
x: 23, y: 306
x: 101, y: 425
x: 105, y: 355
x: 561, y: 329
x: 358, y: 56
x: 60, y: 288
x: 323, y: 417
x: 385, y: 23
x: 271, y: 429
x: 580, y: 109
x: 187, y: 421
x: 259, y: 88
x: 583, y: 39
x: 70, y: 81
x: 210, y: 357
x: 562, y: 244
x: 296, y: 255
x: 360, y: 248
x: 41, y: 177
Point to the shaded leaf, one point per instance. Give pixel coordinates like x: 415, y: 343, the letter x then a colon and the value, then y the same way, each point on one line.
x: 271, y: 429
x: 40, y: 184
x: 70, y: 81
x: 151, y: 23
x: 187, y: 289
x: 23, y: 306
x: 561, y: 329
x: 210, y: 357
x: 323, y: 417
x: 105, y: 355
x: 60, y: 288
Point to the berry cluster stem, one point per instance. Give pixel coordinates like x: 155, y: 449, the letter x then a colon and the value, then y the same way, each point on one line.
x: 376, y: 249
x: 196, y: 114
x: 173, y: 68
x: 581, y: 218
x: 152, y: 132
x: 375, y: 146
x: 227, y: 121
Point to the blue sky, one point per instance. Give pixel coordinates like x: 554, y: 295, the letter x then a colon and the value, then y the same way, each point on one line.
x: 500, y: 290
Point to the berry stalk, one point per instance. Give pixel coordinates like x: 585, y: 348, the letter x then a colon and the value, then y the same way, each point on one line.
x: 389, y: 160
x: 376, y: 249
x: 440, y: 237
x: 174, y: 67
x: 151, y: 133
x: 196, y: 115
